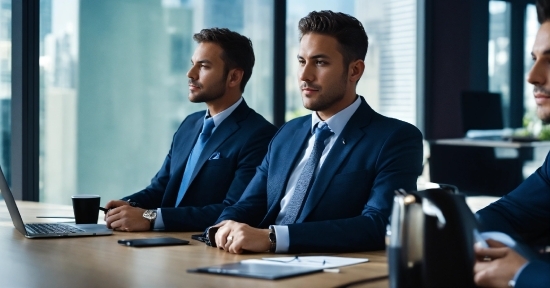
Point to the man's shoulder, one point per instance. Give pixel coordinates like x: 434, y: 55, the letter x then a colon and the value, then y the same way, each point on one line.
x: 297, y: 122
x: 196, y: 115
x: 391, y: 125
x: 253, y: 118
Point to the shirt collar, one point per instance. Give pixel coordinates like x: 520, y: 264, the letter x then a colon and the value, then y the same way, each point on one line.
x: 218, y: 118
x: 338, y: 121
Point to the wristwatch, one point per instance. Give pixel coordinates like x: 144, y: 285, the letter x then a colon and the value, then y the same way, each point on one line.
x: 150, y: 215
x: 272, y: 239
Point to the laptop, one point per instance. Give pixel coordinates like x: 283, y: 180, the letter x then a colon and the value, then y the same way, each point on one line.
x: 46, y: 230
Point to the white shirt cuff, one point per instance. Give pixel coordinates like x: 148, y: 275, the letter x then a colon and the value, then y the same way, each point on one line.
x: 159, y: 224
x: 283, y: 240
x: 515, y: 280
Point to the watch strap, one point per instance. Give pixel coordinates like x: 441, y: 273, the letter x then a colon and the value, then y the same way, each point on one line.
x: 272, y: 239
x: 151, y: 219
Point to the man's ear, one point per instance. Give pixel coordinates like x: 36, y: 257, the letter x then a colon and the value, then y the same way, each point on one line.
x: 355, y: 70
x: 234, y: 77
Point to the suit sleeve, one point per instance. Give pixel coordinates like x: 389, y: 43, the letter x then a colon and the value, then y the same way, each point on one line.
x: 524, y: 213
x: 199, y: 218
x: 398, y: 165
x: 535, y: 274
x: 252, y: 206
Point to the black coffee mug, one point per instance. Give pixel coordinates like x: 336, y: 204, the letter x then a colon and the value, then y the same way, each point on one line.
x: 86, y: 209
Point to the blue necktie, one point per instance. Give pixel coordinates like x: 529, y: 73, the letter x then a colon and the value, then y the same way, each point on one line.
x: 322, y: 132
x: 207, y: 128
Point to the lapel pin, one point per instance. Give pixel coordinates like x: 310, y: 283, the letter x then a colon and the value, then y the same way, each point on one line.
x: 344, y: 141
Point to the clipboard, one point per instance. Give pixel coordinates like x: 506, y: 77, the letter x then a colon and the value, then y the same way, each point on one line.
x: 258, y: 271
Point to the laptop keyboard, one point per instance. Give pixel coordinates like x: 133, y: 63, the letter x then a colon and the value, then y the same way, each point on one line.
x: 51, y: 228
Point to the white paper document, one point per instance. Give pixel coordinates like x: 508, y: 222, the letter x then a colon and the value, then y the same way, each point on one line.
x: 324, y: 262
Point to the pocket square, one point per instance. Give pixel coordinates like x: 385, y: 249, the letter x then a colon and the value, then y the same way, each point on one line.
x: 214, y: 156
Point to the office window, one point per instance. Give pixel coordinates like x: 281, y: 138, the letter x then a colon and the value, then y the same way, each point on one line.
x: 5, y: 87
x: 531, y: 28
x: 499, y: 53
x: 389, y: 81
x: 113, y: 86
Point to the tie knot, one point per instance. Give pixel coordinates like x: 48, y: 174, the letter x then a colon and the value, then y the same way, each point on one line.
x: 208, y: 126
x: 322, y: 132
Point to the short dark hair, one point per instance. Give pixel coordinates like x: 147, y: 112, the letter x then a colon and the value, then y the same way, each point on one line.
x: 237, y: 50
x: 543, y: 10
x: 347, y: 30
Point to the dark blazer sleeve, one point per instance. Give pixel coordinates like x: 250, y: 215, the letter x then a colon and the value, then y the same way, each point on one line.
x: 398, y: 166
x: 198, y: 218
x: 252, y: 206
x: 524, y: 213
x: 219, y: 183
x: 535, y: 274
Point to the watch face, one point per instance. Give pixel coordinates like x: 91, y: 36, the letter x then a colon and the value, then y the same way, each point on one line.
x: 272, y: 237
x: 150, y: 214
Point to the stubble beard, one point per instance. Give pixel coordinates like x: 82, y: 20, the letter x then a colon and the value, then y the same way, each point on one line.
x: 326, y: 99
x: 543, y: 112
x: 216, y: 91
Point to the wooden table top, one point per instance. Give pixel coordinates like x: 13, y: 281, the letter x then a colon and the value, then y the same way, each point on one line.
x: 101, y: 262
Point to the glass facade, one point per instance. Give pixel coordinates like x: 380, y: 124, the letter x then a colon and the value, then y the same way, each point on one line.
x: 499, y: 53
x: 5, y: 87
x: 113, y: 86
x: 531, y: 28
x: 389, y: 83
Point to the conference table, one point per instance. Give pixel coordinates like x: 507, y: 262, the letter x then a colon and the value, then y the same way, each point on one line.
x: 101, y: 262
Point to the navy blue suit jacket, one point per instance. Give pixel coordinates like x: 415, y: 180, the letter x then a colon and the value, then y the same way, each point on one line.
x: 241, y: 141
x: 524, y: 214
x: 350, y: 201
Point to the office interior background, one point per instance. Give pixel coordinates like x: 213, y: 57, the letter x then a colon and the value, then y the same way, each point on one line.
x: 91, y: 91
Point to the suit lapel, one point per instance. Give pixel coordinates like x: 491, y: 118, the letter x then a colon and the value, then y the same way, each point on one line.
x: 182, y: 150
x: 286, y: 161
x: 352, y: 134
x: 228, y: 126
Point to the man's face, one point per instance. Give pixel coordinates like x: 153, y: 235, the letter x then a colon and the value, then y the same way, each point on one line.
x: 540, y: 72
x: 321, y: 74
x: 207, y: 77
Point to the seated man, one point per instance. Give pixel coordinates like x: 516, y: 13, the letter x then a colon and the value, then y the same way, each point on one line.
x: 525, y: 212
x: 328, y: 179
x: 204, y: 173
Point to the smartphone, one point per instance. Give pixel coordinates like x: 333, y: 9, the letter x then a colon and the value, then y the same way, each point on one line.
x: 148, y: 242
x: 211, y: 236
x: 198, y: 237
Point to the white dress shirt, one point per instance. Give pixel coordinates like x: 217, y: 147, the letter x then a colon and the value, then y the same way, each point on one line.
x: 218, y: 119
x: 336, y: 123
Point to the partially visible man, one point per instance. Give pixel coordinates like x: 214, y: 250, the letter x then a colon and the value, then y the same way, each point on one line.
x: 328, y: 180
x: 213, y: 155
x: 524, y: 213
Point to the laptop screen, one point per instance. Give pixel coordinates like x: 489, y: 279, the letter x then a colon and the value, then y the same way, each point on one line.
x: 10, y: 203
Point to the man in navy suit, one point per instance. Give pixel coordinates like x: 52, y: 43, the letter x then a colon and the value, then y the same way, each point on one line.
x: 208, y: 166
x: 328, y: 179
x: 524, y: 213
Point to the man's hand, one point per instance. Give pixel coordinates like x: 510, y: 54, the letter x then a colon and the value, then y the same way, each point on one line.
x: 127, y: 218
x: 113, y: 204
x: 235, y: 237
x: 497, y: 265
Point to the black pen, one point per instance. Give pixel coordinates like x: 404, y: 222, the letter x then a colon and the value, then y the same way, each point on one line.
x: 103, y: 209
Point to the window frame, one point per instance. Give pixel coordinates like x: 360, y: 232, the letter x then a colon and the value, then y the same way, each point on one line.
x: 26, y: 85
